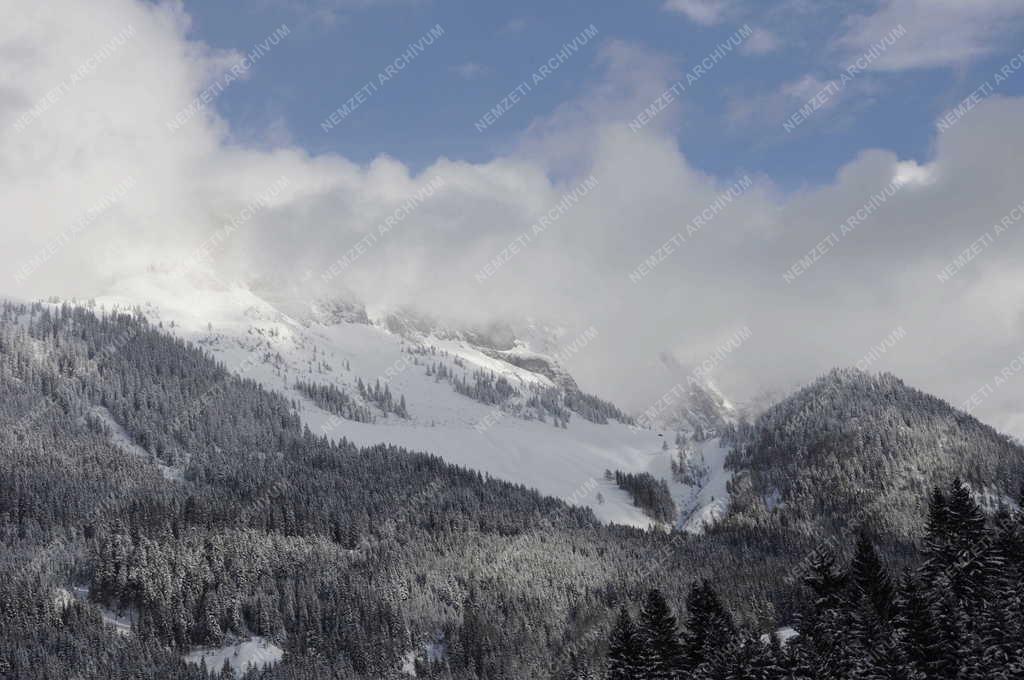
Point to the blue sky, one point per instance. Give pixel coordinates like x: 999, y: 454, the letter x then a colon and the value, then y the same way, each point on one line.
x: 728, y: 123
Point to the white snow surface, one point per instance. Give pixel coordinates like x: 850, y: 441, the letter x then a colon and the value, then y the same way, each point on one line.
x: 121, y: 621
x: 256, y: 339
x: 255, y: 651
x: 707, y: 503
x: 409, y: 664
x: 783, y: 634
x: 431, y: 652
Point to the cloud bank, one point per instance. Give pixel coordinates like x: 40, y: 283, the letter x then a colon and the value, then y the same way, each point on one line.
x: 281, y: 212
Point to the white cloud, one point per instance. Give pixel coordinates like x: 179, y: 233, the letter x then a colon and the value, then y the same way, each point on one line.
x: 470, y: 70
x: 910, y: 172
x: 729, y: 274
x: 939, y: 32
x: 765, y: 113
x: 761, y: 41
x: 704, y: 12
x: 803, y: 89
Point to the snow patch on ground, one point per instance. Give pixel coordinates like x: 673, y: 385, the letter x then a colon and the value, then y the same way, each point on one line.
x: 409, y: 664
x: 433, y: 652
x: 240, y: 654
x: 120, y: 621
x: 62, y: 598
x: 783, y: 634
x: 709, y: 502
x: 255, y: 651
x: 514, y: 374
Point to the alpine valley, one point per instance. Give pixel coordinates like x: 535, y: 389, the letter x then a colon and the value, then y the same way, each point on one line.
x: 200, y: 477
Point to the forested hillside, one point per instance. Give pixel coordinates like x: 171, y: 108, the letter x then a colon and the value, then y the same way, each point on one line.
x: 135, y: 469
x: 230, y: 519
x: 855, y: 448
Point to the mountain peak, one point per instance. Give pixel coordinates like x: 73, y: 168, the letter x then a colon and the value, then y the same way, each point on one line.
x: 854, y: 447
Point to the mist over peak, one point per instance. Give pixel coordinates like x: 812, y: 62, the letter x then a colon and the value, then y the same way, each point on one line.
x: 207, y: 204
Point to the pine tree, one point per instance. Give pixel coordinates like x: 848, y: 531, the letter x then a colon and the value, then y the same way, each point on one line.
x: 624, y: 648
x: 662, y: 657
x: 915, y: 625
x: 971, y: 561
x: 748, y: 659
x: 966, y: 520
x: 825, y: 580
x: 869, y: 580
x: 709, y: 627
x: 825, y: 624
x: 937, y: 535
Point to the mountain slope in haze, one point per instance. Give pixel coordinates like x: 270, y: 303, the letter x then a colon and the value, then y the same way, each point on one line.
x: 495, y: 399
x: 853, y: 448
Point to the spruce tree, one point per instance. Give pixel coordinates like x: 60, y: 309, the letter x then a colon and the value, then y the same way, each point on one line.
x: 973, y: 564
x: 624, y: 648
x: 825, y: 580
x: 709, y: 627
x: 748, y: 659
x: 825, y: 624
x: 915, y: 625
x: 937, y: 535
x: 662, y: 657
x: 965, y: 518
x: 869, y: 580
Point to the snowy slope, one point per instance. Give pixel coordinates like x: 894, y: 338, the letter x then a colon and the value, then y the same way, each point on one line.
x: 276, y: 344
x: 242, y: 654
x: 708, y: 502
x: 120, y: 622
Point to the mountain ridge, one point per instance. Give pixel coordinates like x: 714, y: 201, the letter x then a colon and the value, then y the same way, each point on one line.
x: 858, y: 448
x: 514, y: 412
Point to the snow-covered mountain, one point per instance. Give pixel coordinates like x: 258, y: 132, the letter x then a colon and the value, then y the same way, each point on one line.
x: 702, y: 411
x: 496, y: 399
x: 852, y: 449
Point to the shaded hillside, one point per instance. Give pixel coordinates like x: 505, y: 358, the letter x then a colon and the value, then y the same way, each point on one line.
x: 853, y: 448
